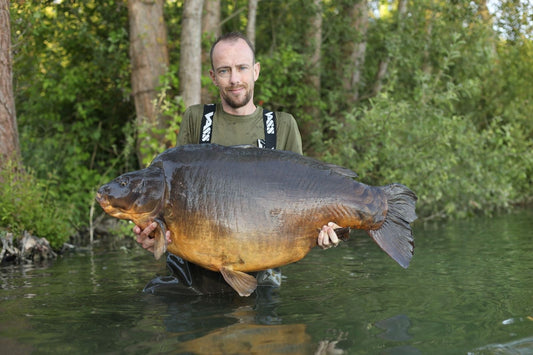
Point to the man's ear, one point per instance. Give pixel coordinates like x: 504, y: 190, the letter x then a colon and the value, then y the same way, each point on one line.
x: 212, y: 75
x: 257, y: 69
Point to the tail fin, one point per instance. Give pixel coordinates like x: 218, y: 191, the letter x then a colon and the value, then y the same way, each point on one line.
x: 395, y: 236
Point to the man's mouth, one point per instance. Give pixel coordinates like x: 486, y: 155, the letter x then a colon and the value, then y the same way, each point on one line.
x: 236, y: 90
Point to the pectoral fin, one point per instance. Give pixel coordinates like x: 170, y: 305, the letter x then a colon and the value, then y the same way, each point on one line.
x: 241, y: 282
x: 160, y: 245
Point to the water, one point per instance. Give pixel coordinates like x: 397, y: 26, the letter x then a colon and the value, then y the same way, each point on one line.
x: 469, y: 290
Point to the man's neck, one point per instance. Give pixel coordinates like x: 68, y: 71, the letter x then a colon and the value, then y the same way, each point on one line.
x: 248, y: 109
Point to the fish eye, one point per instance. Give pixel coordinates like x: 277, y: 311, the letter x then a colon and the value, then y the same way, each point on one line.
x: 123, y: 182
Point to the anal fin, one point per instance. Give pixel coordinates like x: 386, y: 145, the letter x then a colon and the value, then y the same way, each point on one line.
x: 241, y: 282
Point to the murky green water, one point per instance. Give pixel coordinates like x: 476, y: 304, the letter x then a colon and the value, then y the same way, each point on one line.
x: 469, y: 290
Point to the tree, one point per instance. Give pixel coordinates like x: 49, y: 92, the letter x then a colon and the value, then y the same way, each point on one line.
x: 356, y: 49
x: 210, y: 30
x: 191, y: 52
x: 211, y: 18
x: 149, y: 60
x: 252, y: 15
x: 9, y: 141
x: 314, y: 42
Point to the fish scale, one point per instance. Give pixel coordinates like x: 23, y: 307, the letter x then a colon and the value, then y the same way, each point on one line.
x: 243, y: 209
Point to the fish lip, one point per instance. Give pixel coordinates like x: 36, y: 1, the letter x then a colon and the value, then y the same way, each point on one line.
x: 101, y: 200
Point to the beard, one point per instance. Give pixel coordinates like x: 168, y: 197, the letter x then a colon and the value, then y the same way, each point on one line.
x: 237, y: 102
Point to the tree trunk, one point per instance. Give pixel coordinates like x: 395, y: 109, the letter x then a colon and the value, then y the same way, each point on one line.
x: 315, y: 38
x: 252, y: 15
x: 149, y: 60
x: 311, y: 128
x: 210, y: 30
x: 211, y: 18
x: 357, y: 49
x: 9, y: 140
x: 191, y: 52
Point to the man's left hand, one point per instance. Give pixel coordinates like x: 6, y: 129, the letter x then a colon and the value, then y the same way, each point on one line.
x: 327, y: 237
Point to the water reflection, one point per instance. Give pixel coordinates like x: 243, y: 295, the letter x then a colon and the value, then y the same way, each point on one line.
x: 252, y: 339
x: 396, y: 328
x: 229, y: 324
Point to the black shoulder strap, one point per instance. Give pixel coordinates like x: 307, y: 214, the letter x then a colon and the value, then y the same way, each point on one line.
x: 269, y: 121
x: 206, y: 128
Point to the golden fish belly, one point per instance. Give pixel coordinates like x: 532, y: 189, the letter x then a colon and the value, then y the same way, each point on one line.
x: 241, y: 252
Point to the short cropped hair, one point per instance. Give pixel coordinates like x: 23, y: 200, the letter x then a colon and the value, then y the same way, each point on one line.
x: 231, y: 37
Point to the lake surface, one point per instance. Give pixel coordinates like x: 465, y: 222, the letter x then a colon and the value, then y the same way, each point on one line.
x: 469, y: 290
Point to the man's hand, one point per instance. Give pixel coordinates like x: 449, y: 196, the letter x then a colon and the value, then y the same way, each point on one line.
x: 144, y: 238
x: 327, y: 237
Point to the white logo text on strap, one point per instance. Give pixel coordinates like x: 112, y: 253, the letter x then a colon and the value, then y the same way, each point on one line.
x: 206, y: 132
x: 269, y: 123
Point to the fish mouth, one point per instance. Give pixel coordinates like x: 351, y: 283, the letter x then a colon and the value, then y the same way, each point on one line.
x: 104, y: 202
x: 106, y: 205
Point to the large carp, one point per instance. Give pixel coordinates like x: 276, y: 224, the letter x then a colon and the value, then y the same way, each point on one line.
x: 242, y: 209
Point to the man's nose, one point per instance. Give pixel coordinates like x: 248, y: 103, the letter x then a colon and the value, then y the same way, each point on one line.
x: 235, y: 76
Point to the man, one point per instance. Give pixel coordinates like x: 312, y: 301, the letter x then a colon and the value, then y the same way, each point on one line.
x: 236, y: 120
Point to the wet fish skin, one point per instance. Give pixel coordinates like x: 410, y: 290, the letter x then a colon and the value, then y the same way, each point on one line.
x: 243, y: 209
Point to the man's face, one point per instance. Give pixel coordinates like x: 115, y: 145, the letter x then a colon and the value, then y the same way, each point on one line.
x: 234, y: 72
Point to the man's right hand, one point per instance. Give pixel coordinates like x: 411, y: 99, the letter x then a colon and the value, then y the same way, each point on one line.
x: 144, y: 238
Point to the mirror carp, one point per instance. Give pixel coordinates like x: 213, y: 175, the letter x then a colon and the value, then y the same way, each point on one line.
x: 243, y: 209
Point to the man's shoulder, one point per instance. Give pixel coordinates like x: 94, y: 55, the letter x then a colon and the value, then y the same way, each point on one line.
x: 194, y: 113
x: 285, y: 118
x: 195, y: 110
x: 284, y: 115
x: 280, y: 115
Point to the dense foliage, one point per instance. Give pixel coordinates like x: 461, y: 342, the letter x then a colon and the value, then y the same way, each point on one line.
x: 71, y: 78
x: 452, y: 120
x: 29, y: 204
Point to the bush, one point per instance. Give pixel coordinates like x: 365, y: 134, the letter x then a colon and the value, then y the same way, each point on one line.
x: 26, y: 205
x: 455, y: 168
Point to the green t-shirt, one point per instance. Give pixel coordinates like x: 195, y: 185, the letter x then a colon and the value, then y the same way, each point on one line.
x: 234, y: 130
